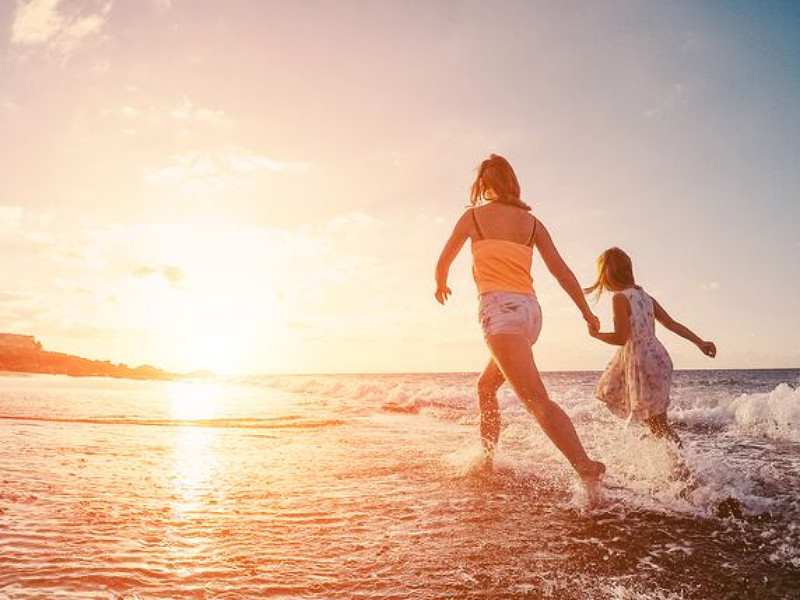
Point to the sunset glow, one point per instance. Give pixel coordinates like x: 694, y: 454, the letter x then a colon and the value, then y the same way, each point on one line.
x: 195, y: 401
x: 296, y: 299
x: 217, y: 198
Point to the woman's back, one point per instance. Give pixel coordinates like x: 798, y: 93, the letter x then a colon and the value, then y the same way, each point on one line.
x: 502, y: 244
x: 504, y: 222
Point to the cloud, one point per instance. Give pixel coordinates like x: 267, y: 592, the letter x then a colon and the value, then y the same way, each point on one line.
x: 23, y: 233
x: 675, y: 98
x: 347, y: 268
x: 10, y: 217
x: 36, y: 22
x: 21, y: 316
x: 710, y: 286
x: 251, y: 163
x: 128, y: 112
x: 139, y: 115
x: 692, y: 42
x: 188, y: 112
x: 145, y: 271
x: 174, y: 275
x: 46, y: 23
x: 14, y: 297
x: 350, y: 220
x: 198, y: 173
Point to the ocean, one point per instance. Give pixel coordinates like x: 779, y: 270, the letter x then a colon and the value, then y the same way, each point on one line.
x: 371, y: 486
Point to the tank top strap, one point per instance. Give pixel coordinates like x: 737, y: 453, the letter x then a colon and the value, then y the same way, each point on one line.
x: 477, y: 225
x: 533, y: 232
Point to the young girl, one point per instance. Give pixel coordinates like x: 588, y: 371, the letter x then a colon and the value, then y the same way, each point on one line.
x: 636, y: 383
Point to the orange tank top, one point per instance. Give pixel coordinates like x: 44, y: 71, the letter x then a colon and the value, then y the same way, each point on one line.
x: 502, y: 265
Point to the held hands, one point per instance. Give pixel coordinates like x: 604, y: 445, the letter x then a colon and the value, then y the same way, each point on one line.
x: 593, y: 324
x: 442, y: 294
x: 708, y: 348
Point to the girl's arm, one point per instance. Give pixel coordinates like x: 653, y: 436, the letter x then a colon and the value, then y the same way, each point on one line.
x: 564, y: 275
x: 622, y: 322
x: 448, y: 255
x: 707, y: 348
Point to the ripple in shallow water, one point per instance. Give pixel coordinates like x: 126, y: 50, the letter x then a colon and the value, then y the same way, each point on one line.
x: 379, y: 506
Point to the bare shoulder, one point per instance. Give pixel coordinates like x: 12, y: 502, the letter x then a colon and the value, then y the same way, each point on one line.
x: 652, y: 299
x: 465, y: 226
x: 540, y: 233
x: 620, y: 301
x: 465, y: 220
x: 658, y: 310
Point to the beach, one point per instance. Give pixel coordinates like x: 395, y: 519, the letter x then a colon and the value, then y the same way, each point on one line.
x: 371, y: 487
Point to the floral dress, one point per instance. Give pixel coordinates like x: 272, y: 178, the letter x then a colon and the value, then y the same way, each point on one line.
x: 635, y: 384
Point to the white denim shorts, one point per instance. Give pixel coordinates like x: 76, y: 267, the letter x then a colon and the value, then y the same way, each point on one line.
x: 510, y: 312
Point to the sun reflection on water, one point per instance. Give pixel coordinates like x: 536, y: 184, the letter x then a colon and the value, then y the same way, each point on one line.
x: 194, y: 454
x: 193, y: 465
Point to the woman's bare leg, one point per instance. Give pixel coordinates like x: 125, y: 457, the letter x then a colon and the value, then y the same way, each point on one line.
x: 513, y: 356
x: 488, y: 383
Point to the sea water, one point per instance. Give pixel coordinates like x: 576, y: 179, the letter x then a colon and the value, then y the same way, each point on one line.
x: 372, y: 486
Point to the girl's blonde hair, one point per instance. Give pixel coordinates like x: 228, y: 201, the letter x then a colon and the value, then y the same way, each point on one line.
x: 495, y: 174
x: 614, y: 272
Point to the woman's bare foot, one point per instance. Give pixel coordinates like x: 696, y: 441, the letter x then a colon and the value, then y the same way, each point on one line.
x: 486, y: 461
x: 591, y: 472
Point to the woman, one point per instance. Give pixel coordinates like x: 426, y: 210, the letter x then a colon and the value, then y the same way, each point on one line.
x: 503, y: 234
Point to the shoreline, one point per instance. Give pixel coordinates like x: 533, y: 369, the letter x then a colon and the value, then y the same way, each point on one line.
x: 240, y: 377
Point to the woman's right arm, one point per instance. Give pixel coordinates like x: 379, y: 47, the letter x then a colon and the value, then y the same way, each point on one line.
x: 622, y: 323
x: 448, y: 255
x: 564, y: 275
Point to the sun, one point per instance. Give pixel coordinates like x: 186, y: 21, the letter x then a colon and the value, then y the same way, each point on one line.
x: 224, y: 329
x: 221, y: 316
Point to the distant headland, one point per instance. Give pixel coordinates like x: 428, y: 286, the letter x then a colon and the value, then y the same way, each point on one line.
x: 24, y: 353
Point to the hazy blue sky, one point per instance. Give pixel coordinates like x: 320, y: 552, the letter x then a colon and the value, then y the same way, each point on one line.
x: 265, y: 186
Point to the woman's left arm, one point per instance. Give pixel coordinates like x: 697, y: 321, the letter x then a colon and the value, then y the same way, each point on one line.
x: 448, y: 255
x: 564, y: 275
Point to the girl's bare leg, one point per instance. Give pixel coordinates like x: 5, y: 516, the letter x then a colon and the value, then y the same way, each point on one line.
x: 512, y: 354
x: 488, y: 383
x: 660, y: 427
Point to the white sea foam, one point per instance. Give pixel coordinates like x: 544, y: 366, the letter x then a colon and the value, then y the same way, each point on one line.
x: 644, y: 473
x: 619, y: 591
x: 409, y: 395
x: 774, y: 414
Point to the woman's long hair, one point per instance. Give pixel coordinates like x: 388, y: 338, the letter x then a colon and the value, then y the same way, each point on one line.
x: 495, y: 174
x: 614, y: 272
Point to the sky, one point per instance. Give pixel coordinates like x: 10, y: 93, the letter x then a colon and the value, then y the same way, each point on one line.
x: 264, y: 187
